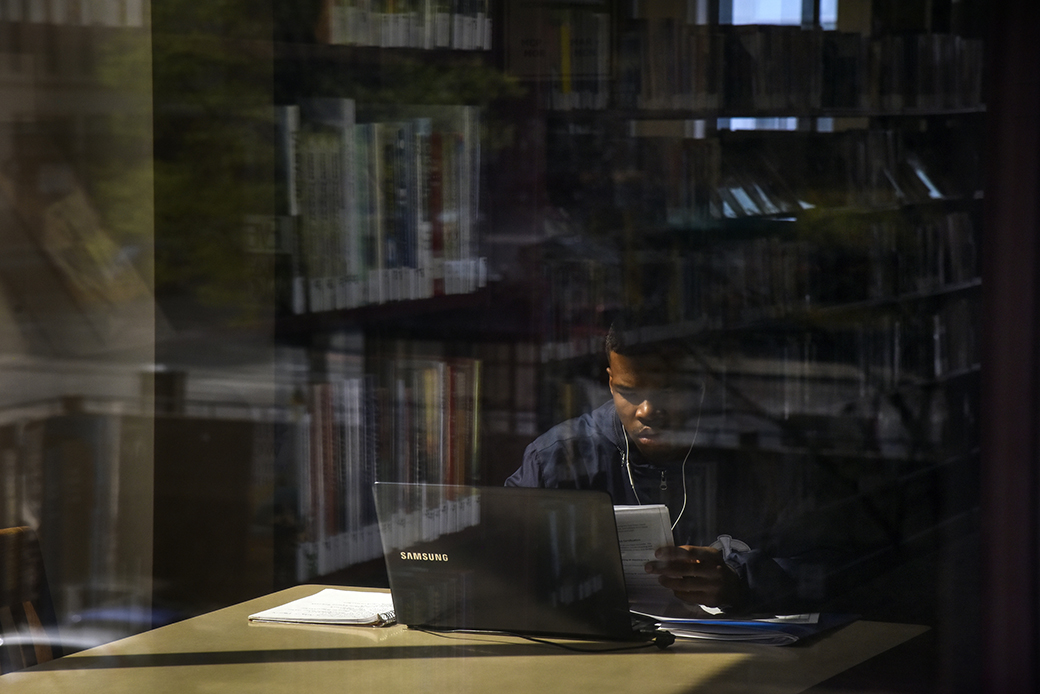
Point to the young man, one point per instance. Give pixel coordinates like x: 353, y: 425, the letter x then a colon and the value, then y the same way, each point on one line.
x: 637, y: 447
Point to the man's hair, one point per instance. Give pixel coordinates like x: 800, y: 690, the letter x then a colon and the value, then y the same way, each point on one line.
x: 616, y: 340
x: 633, y: 339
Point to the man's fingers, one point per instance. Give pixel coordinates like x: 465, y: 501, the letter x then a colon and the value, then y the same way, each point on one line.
x: 695, y: 591
x: 681, y: 569
x: 697, y: 575
x: 689, y: 553
x: 702, y: 562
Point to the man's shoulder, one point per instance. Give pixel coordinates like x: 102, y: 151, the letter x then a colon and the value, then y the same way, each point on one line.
x: 595, y: 427
x: 576, y: 453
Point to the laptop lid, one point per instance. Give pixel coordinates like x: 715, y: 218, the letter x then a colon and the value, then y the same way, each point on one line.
x: 528, y: 561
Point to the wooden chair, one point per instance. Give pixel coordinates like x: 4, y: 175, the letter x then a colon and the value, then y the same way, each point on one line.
x: 27, y: 621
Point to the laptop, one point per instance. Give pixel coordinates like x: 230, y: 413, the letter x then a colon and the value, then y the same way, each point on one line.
x: 538, y: 562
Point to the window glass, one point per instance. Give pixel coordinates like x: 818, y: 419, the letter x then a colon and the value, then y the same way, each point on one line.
x: 721, y: 255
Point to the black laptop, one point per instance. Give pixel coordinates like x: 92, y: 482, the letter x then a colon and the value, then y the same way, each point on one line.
x: 538, y: 562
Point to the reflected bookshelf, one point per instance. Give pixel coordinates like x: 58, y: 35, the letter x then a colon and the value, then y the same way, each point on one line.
x: 804, y: 197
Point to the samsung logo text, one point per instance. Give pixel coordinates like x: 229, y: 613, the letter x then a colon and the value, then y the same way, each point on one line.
x: 423, y: 556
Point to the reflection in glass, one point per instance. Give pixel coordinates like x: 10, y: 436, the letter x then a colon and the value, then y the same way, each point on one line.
x: 77, y: 316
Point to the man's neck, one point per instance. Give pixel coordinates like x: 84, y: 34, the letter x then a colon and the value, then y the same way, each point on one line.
x: 666, y: 461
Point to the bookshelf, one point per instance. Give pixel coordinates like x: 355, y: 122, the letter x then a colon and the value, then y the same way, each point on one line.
x: 464, y: 198
x: 380, y: 282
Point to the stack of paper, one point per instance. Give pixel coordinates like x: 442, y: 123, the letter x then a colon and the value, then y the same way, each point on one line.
x: 780, y: 630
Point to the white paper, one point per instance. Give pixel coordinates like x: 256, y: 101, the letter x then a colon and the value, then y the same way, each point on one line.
x: 333, y: 606
x: 772, y: 639
x: 641, y: 531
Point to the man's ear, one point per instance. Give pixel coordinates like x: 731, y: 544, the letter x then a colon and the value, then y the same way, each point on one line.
x: 610, y: 380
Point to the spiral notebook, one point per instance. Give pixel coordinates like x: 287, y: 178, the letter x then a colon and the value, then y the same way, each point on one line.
x: 333, y: 606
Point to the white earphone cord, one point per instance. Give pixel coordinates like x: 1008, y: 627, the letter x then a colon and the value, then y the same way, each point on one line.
x: 628, y: 466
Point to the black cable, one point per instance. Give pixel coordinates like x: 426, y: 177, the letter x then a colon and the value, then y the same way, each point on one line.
x: 662, y: 639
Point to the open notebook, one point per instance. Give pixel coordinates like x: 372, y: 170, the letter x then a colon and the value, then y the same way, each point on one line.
x: 333, y: 606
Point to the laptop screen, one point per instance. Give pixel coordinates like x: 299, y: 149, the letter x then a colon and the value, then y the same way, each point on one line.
x: 528, y: 561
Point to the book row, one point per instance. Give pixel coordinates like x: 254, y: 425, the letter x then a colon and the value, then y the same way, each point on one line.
x: 112, y: 13
x: 566, y: 49
x: 423, y: 24
x: 872, y: 265
x: 665, y: 64
x: 378, y: 207
x: 682, y: 182
x: 889, y: 352
x: 852, y: 392
x: 409, y: 526
x: 869, y: 263
x: 416, y: 421
x: 922, y: 257
x: 674, y: 182
x: 668, y: 63
x: 925, y: 347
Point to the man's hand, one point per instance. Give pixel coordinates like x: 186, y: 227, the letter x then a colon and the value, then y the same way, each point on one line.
x: 698, y: 576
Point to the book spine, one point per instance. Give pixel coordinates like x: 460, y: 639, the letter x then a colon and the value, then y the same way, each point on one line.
x: 309, y: 181
x: 472, y: 187
x: 287, y: 203
x: 409, y: 208
x: 327, y: 470
x: 363, y: 214
x: 315, y: 473
x: 422, y: 209
x: 349, y: 258
x: 437, y: 210
x: 377, y: 205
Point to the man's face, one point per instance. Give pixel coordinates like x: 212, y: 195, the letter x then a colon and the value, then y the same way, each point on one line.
x: 654, y: 399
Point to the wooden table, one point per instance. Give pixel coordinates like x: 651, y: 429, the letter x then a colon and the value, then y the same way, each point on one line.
x: 223, y: 652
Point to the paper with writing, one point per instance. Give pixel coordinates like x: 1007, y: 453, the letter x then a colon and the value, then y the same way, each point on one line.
x: 641, y: 530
